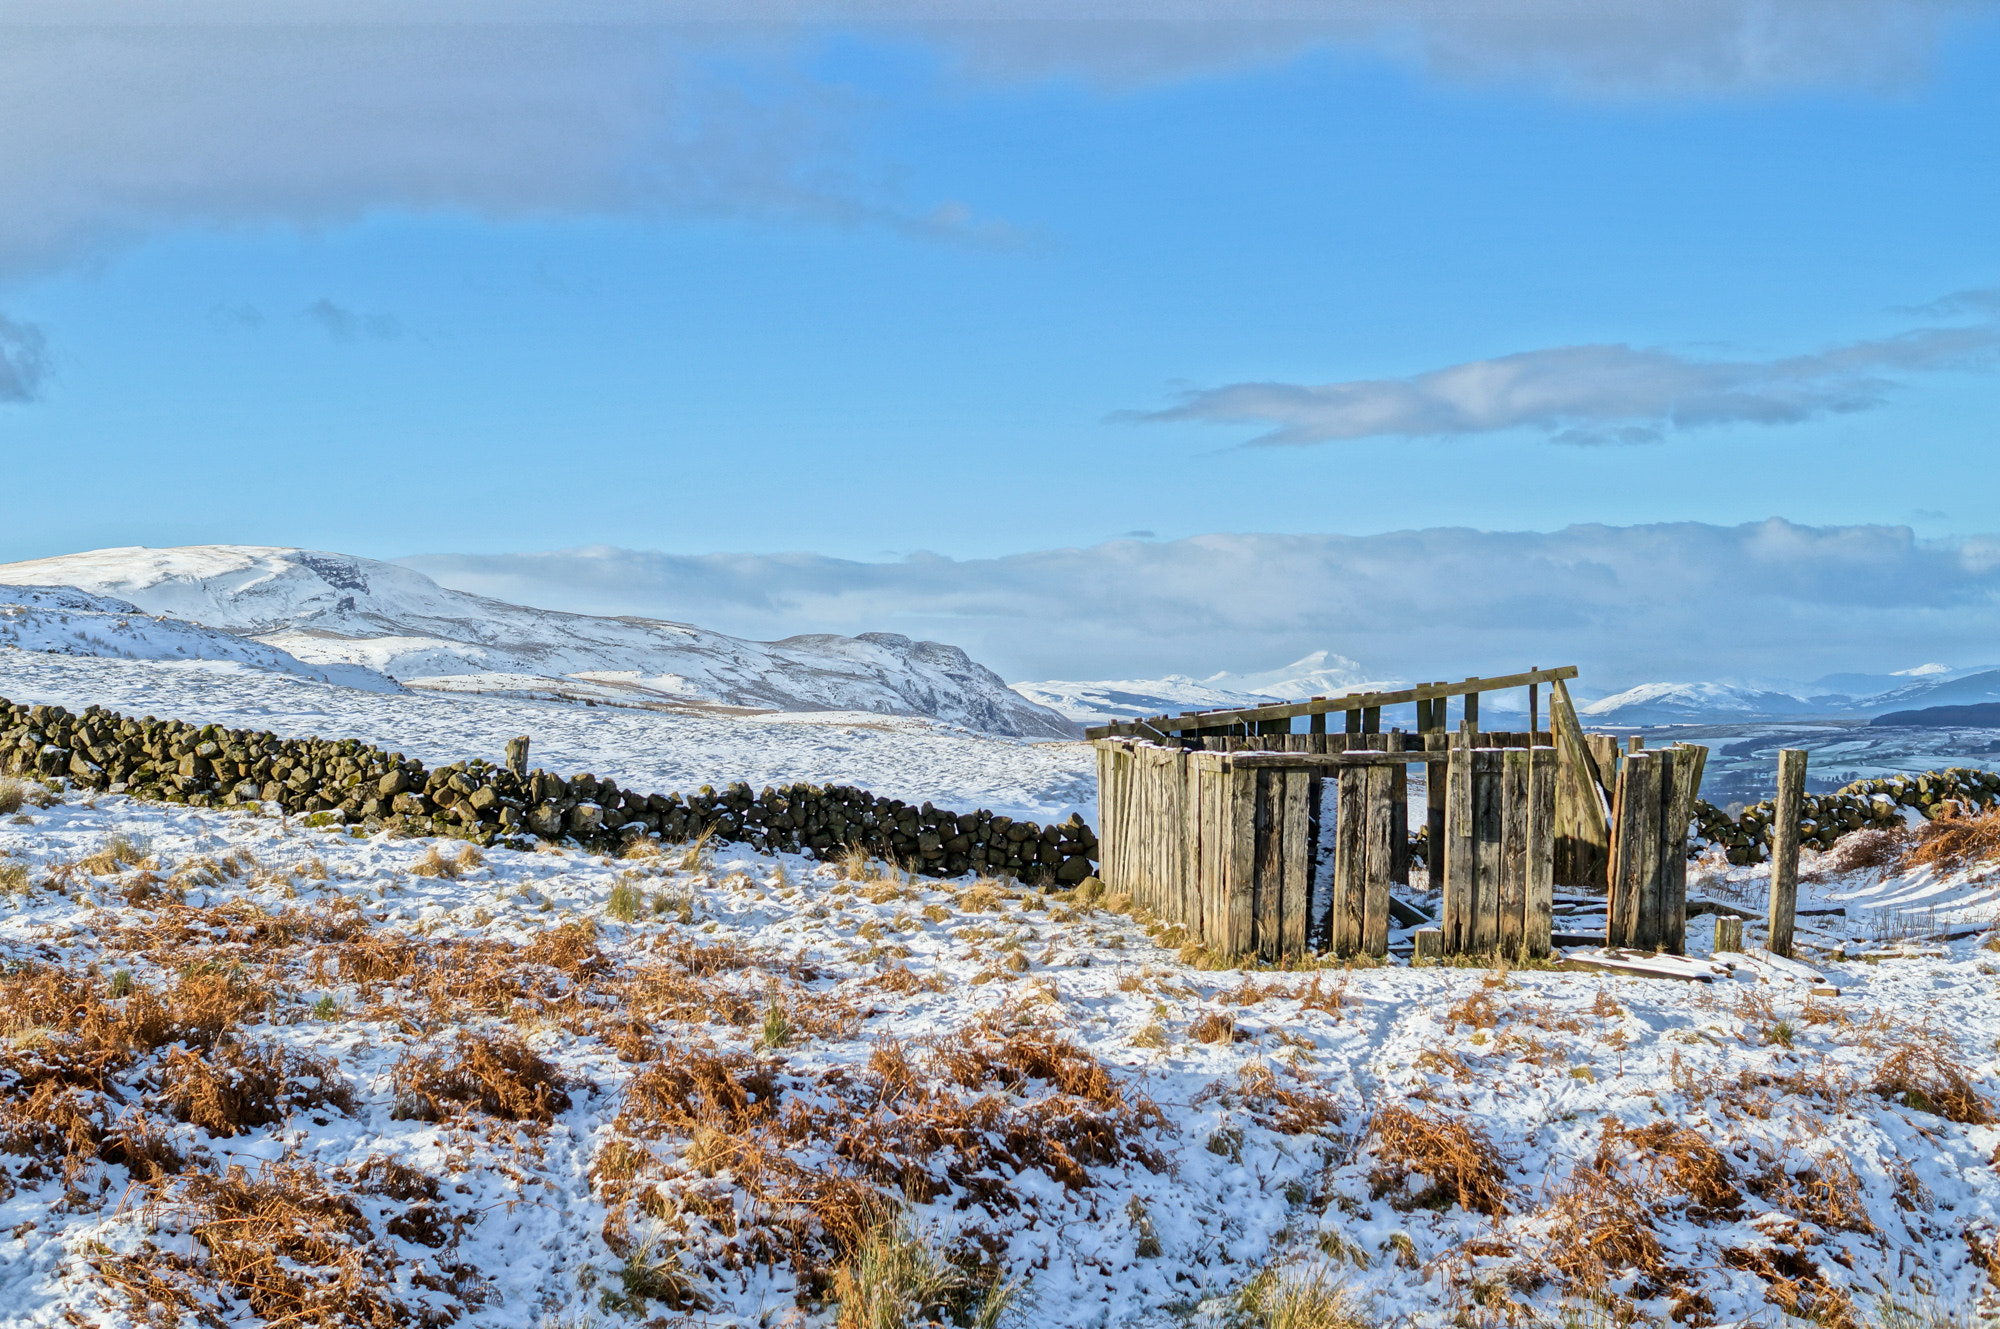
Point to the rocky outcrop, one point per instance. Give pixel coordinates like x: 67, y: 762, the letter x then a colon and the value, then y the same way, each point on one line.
x: 347, y: 781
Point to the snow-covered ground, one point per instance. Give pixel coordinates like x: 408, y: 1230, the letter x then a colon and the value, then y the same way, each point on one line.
x: 1136, y: 1142
x: 902, y: 757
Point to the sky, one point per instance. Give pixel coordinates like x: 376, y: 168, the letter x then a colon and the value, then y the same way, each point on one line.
x: 1106, y: 340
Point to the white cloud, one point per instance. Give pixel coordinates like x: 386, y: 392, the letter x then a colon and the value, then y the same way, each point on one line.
x: 120, y: 123
x: 1595, y: 394
x: 24, y: 360
x: 1628, y: 604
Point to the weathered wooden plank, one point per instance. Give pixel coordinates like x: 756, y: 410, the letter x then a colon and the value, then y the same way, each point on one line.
x: 1270, y: 884
x: 1355, y: 754
x: 1239, y: 930
x: 1351, y: 863
x: 1728, y: 934
x: 1381, y: 828
x: 1693, y: 759
x: 1295, y: 859
x: 1638, y: 840
x: 1511, y: 925
x: 1488, y: 851
x: 1350, y: 703
x: 1458, y: 883
x: 1785, y: 850
x: 1399, y: 808
x: 1539, y: 921
x: 1653, y: 903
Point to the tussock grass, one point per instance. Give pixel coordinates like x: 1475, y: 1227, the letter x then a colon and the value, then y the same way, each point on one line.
x: 627, y: 900
x: 13, y: 793
x: 117, y: 853
x: 1312, y: 1297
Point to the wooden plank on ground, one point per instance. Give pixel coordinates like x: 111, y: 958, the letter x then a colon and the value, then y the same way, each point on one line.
x: 1642, y: 964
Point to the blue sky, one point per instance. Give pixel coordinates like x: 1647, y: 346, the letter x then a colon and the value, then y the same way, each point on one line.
x: 869, y: 290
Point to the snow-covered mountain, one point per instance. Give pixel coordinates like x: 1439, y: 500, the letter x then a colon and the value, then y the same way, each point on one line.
x: 1691, y: 703
x: 1321, y: 674
x: 333, y: 609
x: 1836, y: 696
x: 61, y: 620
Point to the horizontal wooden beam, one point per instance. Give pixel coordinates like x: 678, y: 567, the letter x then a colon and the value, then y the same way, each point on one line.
x: 1353, y: 701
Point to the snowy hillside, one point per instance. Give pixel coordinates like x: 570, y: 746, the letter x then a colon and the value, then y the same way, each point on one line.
x: 1321, y: 674
x: 1690, y: 703
x: 64, y: 621
x: 333, y: 609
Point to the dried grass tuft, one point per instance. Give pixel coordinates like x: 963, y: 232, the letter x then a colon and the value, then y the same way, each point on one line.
x: 1922, y: 1073
x: 235, y: 1087
x: 1602, y: 1232
x: 1950, y: 843
x: 501, y: 1077
x: 1456, y: 1160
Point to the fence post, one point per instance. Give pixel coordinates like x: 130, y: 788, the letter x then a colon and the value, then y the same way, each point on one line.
x: 1785, y: 848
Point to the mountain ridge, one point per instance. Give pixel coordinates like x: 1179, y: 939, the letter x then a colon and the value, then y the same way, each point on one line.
x: 329, y: 609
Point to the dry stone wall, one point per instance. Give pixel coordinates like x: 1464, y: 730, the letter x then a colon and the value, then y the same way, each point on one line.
x: 344, y: 780
x: 1865, y: 804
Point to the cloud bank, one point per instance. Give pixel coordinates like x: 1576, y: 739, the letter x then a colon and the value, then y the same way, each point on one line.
x: 121, y: 124
x: 1629, y: 604
x: 1597, y: 394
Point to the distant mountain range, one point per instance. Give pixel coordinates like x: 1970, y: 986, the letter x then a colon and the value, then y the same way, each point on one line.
x: 366, y: 623
x: 1837, y: 696
x: 1321, y: 674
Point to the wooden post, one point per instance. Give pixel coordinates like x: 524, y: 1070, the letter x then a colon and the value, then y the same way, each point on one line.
x: 517, y: 757
x: 1472, y: 710
x: 1785, y: 848
x: 1534, y: 701
x: 1728, y: 933
x: 1371, y: 719
x: 1430, y: 946
x: 1318, y: 725
x: 1353, y: 720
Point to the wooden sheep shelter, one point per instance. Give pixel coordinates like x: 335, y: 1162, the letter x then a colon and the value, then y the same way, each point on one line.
x: 1213, y: 820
